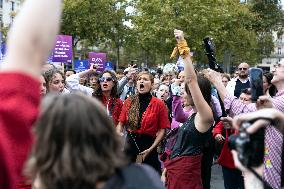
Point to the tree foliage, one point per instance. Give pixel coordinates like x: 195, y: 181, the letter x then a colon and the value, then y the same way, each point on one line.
x: 95, y: 23
x: 269, y: 18
x: 241, y: 30
x: 227, y: 21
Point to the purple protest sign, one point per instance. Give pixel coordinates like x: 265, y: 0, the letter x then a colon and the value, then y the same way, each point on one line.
x: 99, y: 59
x: 62, y: 51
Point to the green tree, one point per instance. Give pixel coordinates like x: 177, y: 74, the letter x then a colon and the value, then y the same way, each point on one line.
x: 95, y: 23
x: 269, y: 18
x: 227, y: 21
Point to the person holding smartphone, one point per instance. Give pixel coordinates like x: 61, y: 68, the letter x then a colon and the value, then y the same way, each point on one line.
x: 272, y: 166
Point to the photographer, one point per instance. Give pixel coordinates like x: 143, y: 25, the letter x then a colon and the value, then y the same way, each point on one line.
x: 272, y: 136
x: 259, y: 119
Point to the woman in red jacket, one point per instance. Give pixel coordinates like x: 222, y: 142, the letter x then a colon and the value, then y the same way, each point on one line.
x: 105, y: 89
x: 106, y: 92
x: 145, y: 119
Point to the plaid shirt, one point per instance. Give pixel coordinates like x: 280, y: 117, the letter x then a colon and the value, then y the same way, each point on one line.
x: 273, y: 138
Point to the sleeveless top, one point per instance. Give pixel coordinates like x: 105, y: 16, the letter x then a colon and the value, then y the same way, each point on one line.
x: 190, y: 142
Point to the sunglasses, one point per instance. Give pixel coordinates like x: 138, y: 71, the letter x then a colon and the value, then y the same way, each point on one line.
x: 102, y: 79
x: 243, y: 69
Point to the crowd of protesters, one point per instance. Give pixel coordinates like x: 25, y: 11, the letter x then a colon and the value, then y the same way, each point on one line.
x: 130, y: 129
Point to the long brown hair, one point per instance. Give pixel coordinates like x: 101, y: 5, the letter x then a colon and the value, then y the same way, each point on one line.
x: 133, y: 116
x: 76, y: 143
x: 98, y: 90
x: 49, y: 75
x: 205, y: 88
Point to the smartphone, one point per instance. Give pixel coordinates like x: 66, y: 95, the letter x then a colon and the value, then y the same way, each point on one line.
x: 256, y: 83
x: 139, y: 158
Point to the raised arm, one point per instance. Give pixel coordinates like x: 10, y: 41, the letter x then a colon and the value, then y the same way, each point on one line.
x: 73, y: 81
x: 29, y: 43
x: 261, y: 118
x: 32, y: 36
x: 216, y: 79
x: 204, y: 117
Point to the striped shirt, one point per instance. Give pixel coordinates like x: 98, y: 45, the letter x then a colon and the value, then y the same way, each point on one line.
x: 273, y: 138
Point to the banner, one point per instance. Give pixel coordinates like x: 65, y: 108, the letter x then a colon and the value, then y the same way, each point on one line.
x: 99, y: 59
x: 63, y: 51
x: 81, y: 65
x: 108, y: 66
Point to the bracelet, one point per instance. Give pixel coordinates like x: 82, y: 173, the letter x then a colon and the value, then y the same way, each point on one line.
x: 182, y: 48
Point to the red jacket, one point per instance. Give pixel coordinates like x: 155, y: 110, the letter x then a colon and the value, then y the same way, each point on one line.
x: 114, y: 106
x: 155, y: 117
x: 19, y: 102
x: 225, y: 159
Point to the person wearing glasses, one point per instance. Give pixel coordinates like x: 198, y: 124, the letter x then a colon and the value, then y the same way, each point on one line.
x: 105, y: 90
x: 235, y: 86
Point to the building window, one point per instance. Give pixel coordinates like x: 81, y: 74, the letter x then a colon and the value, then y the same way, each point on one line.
x: 12, y: 5
x: 1, y: 3
x: 279, y: 50
x: 268, y: 62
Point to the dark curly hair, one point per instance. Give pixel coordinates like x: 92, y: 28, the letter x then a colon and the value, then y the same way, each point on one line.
x: 98, y: 90
x: 74, y: 149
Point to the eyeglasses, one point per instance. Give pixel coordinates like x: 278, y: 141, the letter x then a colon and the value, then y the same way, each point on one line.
x: 243, y: 69
x: 102, y: 79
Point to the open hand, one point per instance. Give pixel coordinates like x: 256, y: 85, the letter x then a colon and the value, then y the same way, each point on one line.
x: 214, y: 77
x: 93, y: 68
x: 131, y: 71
